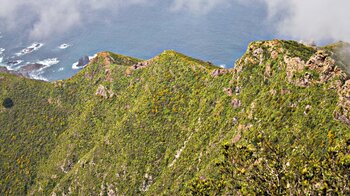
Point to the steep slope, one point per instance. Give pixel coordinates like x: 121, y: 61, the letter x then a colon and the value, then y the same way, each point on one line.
x: 127, y: 126
x: 29, y: 126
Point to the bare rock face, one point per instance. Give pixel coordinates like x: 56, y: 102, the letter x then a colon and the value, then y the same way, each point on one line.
x: 321, y: 62
x: 139, y: 65
x: 228, y: 91
x: 342, y: 112
x: 83, y: 61
x: 101, y: 91
x: 274, y: 54
x: 25, y: 70
x: 307, y: 109
x: 268, y: 70
x: 294, y: 66
x: 320, y: 68
x: 236, y: 138
x: 258, y: 52
x: 236, y: 103
x: 31, y: 67
x: 219, y: 72
x: 5, y: 70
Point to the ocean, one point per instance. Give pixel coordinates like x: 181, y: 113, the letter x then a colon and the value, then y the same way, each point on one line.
x: 220, y: 36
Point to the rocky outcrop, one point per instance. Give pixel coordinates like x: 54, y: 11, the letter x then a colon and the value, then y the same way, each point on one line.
x: 83, y: 61
x: 219, y: 72
x: 23, y: 71
x: 299, y: 73
x: 139, y: 65
x: 257, y: 54
x: 228, y: 91
x: 236, y: 103
x: 103, y: 92
x: 342, y: 111
x: 104, y: 60
x: 319, y: 68
x: 31, y: 67
x: 5, y: 70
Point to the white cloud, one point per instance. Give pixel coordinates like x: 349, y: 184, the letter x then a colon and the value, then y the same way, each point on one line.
x: 197, y: 6
x: 47, y: 18
x: 317, y: 20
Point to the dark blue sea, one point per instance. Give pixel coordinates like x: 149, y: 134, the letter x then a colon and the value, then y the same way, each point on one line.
x: 220, y: 36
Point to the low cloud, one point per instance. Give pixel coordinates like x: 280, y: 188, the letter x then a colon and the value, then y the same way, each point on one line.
x: 43, y: 19
x: 197, y: 6
x: 318, y: 20
x: 47, y: 18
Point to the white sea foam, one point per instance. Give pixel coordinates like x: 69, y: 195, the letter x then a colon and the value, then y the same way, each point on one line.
x: 61, y: 69
x: 2, y: 50
x: 9, y: 67
x: 49, y: 62
x: 75, y: 65
x: 37, y: 74
x: 35, y: 46
x: 1, y: 58
x: 64, y: 46
x: 38, y: 77
x: 13, y: 65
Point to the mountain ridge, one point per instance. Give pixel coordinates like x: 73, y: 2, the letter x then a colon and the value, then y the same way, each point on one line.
x: 169, y: 124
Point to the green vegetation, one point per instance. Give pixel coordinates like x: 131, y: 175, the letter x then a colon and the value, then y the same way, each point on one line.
x: 177, y: 125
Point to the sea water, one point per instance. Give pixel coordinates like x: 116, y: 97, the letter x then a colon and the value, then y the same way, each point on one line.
x: 220, y: 36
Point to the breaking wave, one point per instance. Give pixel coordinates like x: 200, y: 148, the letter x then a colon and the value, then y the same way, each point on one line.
x: 35, y: 46
x: 64, y: 46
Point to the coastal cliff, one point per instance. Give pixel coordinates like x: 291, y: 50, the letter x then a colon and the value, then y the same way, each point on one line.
x: 276, y: 123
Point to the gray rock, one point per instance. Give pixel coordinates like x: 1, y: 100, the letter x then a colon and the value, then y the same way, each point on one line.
x: 83, y: 61
x: 31, y: 67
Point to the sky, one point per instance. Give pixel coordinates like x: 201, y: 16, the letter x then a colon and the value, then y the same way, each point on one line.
x: 308, y: 20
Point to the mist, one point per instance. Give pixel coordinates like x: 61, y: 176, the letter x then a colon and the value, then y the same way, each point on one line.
x: 197, y: 6
x: 55, y: 17
x: 311, y: 20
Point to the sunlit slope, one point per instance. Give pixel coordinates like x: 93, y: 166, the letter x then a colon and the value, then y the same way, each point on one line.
x: 127, y: 126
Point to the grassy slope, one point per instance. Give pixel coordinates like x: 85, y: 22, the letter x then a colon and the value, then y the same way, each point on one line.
x: 127, y: 144
x: 28, y: 130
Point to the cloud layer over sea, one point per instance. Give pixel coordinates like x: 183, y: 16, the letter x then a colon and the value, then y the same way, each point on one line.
x: 311, y: 19
x: 213, y: 30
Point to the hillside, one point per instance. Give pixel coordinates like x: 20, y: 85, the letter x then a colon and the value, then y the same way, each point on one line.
x: 278, y: 123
